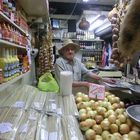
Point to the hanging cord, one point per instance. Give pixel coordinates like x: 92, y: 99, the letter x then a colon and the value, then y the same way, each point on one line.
x: 71, y: 12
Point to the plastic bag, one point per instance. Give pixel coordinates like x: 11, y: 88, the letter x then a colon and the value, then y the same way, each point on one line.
x: 48, y: 83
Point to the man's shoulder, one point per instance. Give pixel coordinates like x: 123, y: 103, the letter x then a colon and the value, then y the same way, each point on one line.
x: 59, y: 60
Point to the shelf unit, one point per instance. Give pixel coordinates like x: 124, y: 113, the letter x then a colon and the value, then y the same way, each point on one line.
x: 5, y: 43
x: 91, y: 50
x: 5, y: 18
x: 5, y: 85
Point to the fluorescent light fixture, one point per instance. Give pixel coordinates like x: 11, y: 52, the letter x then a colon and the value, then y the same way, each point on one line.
x: 105, y: 24
x: 93, y: 19
x: 85, y: 0
x: 96, y: 24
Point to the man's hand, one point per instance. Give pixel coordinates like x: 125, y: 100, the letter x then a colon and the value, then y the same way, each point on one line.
x: 109, y: 80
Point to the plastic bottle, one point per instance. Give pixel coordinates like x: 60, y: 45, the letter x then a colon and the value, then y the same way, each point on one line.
x: 4, y: 64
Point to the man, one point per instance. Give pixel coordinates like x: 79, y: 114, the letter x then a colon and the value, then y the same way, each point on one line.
x: 68, y: 62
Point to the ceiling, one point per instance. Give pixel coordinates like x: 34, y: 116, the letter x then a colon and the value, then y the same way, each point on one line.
x: 67, y: 6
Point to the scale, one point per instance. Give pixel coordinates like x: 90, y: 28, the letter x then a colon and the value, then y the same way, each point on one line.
x: 110, y: 72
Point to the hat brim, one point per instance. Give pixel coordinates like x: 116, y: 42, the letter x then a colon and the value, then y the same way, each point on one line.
x: 75, y: 46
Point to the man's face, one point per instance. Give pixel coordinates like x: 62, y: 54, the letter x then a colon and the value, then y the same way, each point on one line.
x: 69, y: 52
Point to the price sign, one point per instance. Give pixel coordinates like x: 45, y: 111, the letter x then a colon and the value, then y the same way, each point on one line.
x: 97, y: 91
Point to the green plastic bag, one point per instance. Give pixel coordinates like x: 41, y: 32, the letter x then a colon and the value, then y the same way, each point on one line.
x: 48, y: 83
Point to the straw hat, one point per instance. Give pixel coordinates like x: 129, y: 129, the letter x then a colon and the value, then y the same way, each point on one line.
x: 67, y: 43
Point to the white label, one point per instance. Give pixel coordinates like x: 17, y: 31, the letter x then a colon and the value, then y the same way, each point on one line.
x: 53, y: 106
x: 5, y: 127
x: 59, y: 111
x: 74, y: 138
x: 53, y: 136
x: 32, y: 117
x: 23, y: 128
x: 19, y: 104
x: 37, y: 105
x: 44, y: 134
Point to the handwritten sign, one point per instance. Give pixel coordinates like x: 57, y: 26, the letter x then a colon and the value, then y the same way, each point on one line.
x: 97, y: 91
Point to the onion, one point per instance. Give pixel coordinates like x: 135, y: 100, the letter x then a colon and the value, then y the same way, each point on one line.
x: 98, y: 137
x: 81, y: 111
x: 133, y: 135
x: 92, y: 102
x: 109, y: 112
x: 98, y: 118
x: 105, y: 124
x: 122, y: 118
x: 101, y: 110
x: 90, y: 134
x: 79, y: 94
x: 124, y: 129
x: 104, y: 134
x: 118, y: 122
x: 135, y: 128
x: 129, y: 122
x: 84, y: 126
x: 88, y: 108
x: 104, y: 104
x: 92, y: 114
x: 78, y: 99
x: 119, y: 111
x: 110, y: 137
x: 82, y: 105
x: 85, y: 98
x: 83, y: 116
x: 114, y: 128
x: 97, y: 129
x: 122, y: 104
x: 125, y: 137
x: 115, y: 106
x: 118, y: 136
x: 107, y: 93
x: 95, y: 105
x: 112, y: 118
x: 90, y: 122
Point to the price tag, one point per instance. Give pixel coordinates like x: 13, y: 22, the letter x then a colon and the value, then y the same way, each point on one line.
x: 97, y: 91
x: 5, y: 127
x: 19, y: 104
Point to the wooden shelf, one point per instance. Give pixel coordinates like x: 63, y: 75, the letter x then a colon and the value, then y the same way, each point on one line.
x: 5, y: 85
x: 5, y: 18
x: 7, y: 43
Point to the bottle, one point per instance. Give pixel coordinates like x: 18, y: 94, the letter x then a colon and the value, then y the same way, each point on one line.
x: 10, y: 62
x: 16, y: 60
x: 4, y: 65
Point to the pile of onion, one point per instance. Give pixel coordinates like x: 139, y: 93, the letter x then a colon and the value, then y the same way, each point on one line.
x: 105, y: 119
